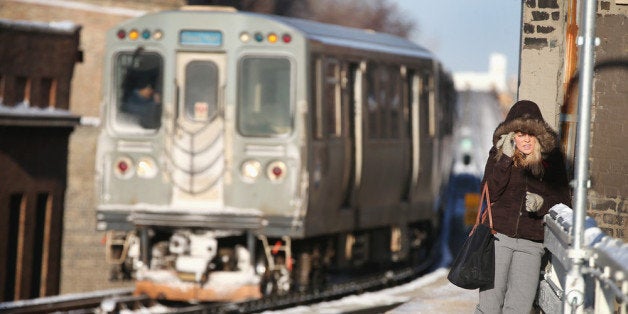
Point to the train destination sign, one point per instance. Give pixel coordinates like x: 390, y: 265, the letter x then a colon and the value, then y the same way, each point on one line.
x: 200, y: 38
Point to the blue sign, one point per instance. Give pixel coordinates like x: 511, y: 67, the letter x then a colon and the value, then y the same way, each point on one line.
x: 200, y: 38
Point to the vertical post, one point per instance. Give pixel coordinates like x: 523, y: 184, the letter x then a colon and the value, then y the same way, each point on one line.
x: 574, y: 298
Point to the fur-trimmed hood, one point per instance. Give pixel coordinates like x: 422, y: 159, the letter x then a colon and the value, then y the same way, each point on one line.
x: 525, y: 116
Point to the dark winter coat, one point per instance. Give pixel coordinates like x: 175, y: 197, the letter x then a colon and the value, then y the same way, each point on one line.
x: 508, y: 183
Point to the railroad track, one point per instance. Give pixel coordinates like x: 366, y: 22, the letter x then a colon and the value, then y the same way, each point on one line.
x: 75, y: 303
x: 123, y: 300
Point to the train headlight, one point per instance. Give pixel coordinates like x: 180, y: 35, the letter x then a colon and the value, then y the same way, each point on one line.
x: 146, y: 168
x: 245, y: 37
x: 158, y: 35
x: 251, y: 169
x: 276, y: 170
x: 123, y: 167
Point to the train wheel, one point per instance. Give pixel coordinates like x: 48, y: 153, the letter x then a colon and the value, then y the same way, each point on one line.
x: 303, y: 271
x: 276, y: 282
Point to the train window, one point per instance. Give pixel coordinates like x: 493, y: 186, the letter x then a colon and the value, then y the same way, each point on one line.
x: 384, y: 101
x: 384, y: 106
x: 201, y: 90
x: 331, y: 97
x: 317, y: 116
x: 395, y: 101
x: 138, y: 80
x: 431, y: 106
x: 264, y: 97
x: 1, y: 88
x: 372, y: 104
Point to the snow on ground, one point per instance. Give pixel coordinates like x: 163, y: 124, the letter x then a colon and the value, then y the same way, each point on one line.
x: 432, y: 293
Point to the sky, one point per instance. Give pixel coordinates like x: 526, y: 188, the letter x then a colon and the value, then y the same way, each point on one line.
x: 463, y: 33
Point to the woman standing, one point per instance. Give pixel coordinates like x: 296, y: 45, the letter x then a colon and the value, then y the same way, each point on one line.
x: 526, y: 176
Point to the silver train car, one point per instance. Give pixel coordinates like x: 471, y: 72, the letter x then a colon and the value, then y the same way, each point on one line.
x: 244, y: 155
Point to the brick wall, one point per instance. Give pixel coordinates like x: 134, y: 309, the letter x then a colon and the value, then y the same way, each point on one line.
x: 542, y: 78
x: 542, y: 55
x: 83, y: 265
x: 608, y: 196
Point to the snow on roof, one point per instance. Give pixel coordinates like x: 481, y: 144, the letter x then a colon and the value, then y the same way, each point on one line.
x: 86, y: 7
x: 23, y: 109
x: 60, y: 26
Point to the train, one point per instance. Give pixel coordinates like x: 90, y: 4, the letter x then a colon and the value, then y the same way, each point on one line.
x: 244, y: 155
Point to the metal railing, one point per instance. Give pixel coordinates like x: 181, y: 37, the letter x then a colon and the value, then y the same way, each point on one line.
x: 605, y: 268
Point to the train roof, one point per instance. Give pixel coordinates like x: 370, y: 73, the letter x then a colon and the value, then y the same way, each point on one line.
x: 337, y: 35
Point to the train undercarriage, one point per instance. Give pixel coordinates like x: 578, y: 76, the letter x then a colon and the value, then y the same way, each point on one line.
x: 226, y: 266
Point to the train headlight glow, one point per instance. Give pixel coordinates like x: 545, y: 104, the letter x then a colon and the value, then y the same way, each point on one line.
x: 245, y: 37
x: 276, y: 170
x: 123, y: 167
x: 146, y: 168
x: 158, y: 35
x: 251, y: 169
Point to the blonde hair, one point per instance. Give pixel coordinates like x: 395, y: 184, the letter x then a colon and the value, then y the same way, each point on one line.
x: 533, y: 161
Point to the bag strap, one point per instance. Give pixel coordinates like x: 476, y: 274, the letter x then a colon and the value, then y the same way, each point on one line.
x: 489, y: 212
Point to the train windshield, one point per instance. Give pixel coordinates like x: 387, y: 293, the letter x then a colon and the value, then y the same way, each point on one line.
x: 264, y: 107
x: 138, y: 91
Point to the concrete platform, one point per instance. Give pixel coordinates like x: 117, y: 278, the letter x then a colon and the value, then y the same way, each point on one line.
x: 438, y: 296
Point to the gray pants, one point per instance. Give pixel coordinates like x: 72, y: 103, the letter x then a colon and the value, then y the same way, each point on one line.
x: 517, y: 271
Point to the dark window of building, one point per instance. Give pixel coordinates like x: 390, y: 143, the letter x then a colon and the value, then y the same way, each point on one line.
x: 16, y: 209
x: 22, y: 89
x: 45, y: 92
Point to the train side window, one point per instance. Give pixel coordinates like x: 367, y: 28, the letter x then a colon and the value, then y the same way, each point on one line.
x: 331, y: 97
x: 264, y: 93
x: 2, y: 79
x: 201, y: 90
x: 372, y: 101
x: 431, y: 105
x: 138, y: 77
x: 317, y: 91
x: 395, y: 102
x: 383, y: 91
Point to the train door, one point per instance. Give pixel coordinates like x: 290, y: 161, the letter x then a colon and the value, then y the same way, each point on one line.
x: 355, y: 105
x: 414, y: 97
x: 348, y: 99
x: 198, y: 141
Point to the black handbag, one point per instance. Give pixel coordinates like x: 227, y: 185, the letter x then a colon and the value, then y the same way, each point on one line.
x: 474, y: 266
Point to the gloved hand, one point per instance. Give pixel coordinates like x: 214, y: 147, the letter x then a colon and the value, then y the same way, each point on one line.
x: 533, y: 202
x: 507, y: 144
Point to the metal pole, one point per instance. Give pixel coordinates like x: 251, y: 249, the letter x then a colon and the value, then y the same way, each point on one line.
x: 574, y: 282
x: 584, y: 121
